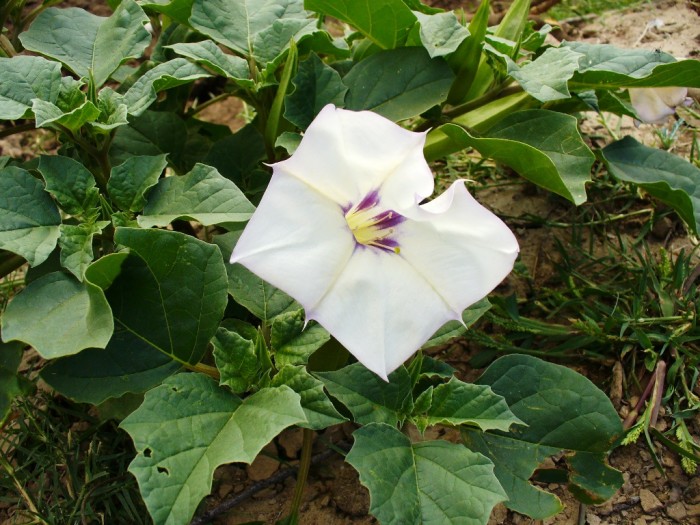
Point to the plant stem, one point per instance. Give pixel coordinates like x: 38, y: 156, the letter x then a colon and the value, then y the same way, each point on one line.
x: 200, y: 107
x: 304, y: 464
x: 9, y: 262
x: 6, y: 47
x: 17, y: 129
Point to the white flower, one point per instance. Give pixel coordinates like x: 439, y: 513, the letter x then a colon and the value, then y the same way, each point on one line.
x: 341, y: 230
x: 655, y: 105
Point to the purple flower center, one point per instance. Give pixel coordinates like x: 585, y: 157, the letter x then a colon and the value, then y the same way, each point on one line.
x: 373, y: 226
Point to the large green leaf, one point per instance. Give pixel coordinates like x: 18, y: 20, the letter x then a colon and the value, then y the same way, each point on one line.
x: 546, y: 78
x: 293, y: 340
x: 543, y: 146
x: 87, y: 44
x: 189, y: 426
x: 208, y: 54
x: 257, y: 29
x: 171, y: 292
x: 315, y: 85
x: 426, y: 482
x: 398, y: 84
x: 563, y: 411
x: 318, y: 408
x: 24, y: 79
x: 129, y: 182
x: 29, y: 218
x: 202, y: 195
x: 59, y: 316
x: 127, y: 364
x: 607, y: 66
x: 167, y: 75
x: 368, y: 397
x: 385, y: 22
x: 667, y: 177
x: 70, y: 183
x: 459, y: 403
x: 441, y: 33
x: 237, y: 157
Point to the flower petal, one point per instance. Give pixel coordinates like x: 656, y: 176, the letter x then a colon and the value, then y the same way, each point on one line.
x: 381, y: 310
x: 347, y: 154
x: 297, y: 240
x: 458, y: 246
x: 654, y: 105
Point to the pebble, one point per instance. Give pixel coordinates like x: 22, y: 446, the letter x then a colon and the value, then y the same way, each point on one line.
x: 592, y: 519
x: 692, y: 493
x: 649, y: 502
x: 264, y: 466
x: 676, y: 512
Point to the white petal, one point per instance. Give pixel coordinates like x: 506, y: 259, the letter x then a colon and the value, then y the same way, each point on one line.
x: 347, y: 154
x: 462, y: 249
x: 672, y: 96
x: 651, y: 106
x: 297, y: 239
x: 381, y: 310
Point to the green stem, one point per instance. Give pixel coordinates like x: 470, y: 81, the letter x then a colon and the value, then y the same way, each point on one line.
x: 304, y: 465
x: 6, y: 47
x: 200, y: 107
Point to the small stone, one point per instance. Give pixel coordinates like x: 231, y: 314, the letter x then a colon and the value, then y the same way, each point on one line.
x: 290, y: 440
x: 498, y: 515
x: 677, y: 511
x: 649, y: 502
x: 592, y: 519
x: 640, y: 521
x: 692, y: 493
x: 653, y: 475
x: 693, y: 510
x: 224, y: 490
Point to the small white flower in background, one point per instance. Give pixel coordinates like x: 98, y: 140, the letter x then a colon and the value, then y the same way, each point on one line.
x: 341, y: 230
x: 654, y: 105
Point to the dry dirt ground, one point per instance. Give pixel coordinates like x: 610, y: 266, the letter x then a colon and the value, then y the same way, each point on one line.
x: 333, y: 495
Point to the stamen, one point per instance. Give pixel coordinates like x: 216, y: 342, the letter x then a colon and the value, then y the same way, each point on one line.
x: 372, y: 227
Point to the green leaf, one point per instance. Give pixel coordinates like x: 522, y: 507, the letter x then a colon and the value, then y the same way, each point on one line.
x: 543, y: 146
x: 459, y: 403
x: 127, y: 364
x: 171, y: 292
x: 129, y: 182
x: 237, y: 359
x: 59, y: 316
x: 319, y: 410
x: 316, y: 85
x: 667, y: 177
x: 398, y: 84
x: 88, y: 44
x: 385, y: 22
x: 113, y: 110
x: 106, y: 269
x: 257, y: 29
x: 188, y: 427
x: 546, y: 78
x: 426, y: 482
x: 164, y: 76
x: 202, y: 195
x: 70, y: 183
x: 208, y: 54
x: 178, y: 10
x: 29, y: 218
x: 12, y: 385
x: 237, y: 157
x: 150, y: 134
x: 262, y: 299
x: 563, y: 411
x: 441, y: 33
x: 71, y: 110
x: 293, y: 341
x: 76, y: 246
x: 606, y: 66
x: 24, y: 79
x: 368, y: 397
x: 453, y: 329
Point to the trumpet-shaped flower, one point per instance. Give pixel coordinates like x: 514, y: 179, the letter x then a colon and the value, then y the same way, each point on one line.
x: 341, y: 229
x: 655, y: 105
